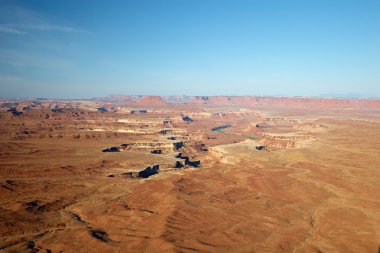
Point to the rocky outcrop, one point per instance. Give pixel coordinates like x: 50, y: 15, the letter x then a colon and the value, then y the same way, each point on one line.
x: 102, y: 109
x: 179, y: 165
x: 147, y: 172
x: 162, y: 146
x: 175, y: 131
x: 199, y: 100
x: 194, y: 164
x: 112, y: 149
x: 199, y: 115
x: 187, y: 119
x: 272, y: 145
x: 142, y: 111
x: 15, y: 112
x: 151, y: 100
x: 150, y: 145
x: 178, y: 145
x: 274, y: 141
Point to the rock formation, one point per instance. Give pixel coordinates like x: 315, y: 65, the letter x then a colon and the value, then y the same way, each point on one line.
x: 151, y: 100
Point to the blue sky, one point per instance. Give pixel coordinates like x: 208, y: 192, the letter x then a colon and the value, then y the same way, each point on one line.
x: 79, y: 49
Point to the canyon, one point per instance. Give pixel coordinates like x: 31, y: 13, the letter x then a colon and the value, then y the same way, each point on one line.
x: 190, y: 174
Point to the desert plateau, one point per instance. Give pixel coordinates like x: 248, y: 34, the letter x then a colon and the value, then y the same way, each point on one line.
x: 190, y: 174
x: 189, y: 126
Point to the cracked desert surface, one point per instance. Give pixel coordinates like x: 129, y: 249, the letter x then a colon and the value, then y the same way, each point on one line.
x: 190, y: 174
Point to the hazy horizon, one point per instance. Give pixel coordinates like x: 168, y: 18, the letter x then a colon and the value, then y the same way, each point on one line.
x: 84, y: 49
x: 326, y: 96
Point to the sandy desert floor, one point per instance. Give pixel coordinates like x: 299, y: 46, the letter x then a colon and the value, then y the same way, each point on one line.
x: 313, y: 188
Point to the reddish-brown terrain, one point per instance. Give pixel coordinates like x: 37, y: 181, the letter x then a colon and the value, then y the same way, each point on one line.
x: 234, y: 174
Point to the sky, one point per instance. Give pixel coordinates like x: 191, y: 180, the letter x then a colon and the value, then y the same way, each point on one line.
x: 88, y: 48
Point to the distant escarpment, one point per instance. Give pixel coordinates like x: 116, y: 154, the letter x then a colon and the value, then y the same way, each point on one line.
x: 284, y: 102
x: 151, y: 100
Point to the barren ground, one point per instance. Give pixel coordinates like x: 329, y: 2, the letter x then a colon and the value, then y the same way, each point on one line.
x: 314, y: 188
